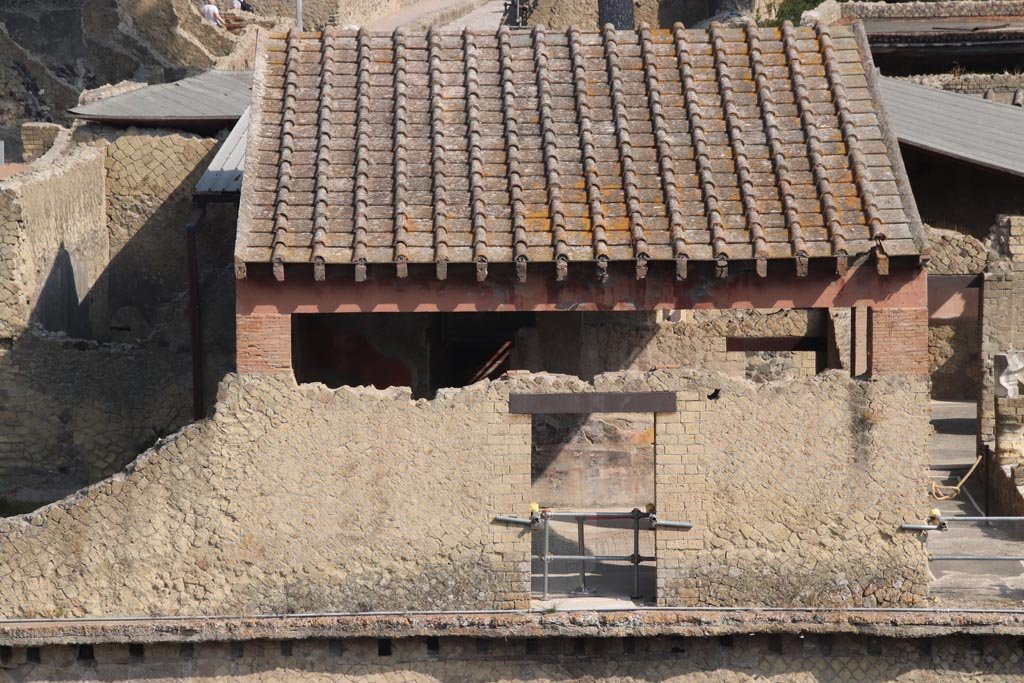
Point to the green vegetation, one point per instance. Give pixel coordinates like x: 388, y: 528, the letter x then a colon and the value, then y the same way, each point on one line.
x: 791, y: 10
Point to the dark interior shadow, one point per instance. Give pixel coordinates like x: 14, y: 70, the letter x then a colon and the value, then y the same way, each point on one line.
x: 956, y: 425
x: 102, y: 373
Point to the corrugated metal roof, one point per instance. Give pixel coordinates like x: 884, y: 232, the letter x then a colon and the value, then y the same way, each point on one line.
x: 969, y: 128
x: 224, y: 175
x: 214, y: 97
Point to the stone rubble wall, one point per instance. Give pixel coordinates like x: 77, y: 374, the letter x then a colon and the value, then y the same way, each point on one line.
x: 586, y: 345
x: 942, y: 8
x: 954, y: 359
x: 53, y: 243
x: 559, y: 15
x: 74, y: 411
x: 785, y: 485
x: 954, y: 253
x: 739, y: 659
x: 95, y: 250
x: 150, y: 175
x: 1002, y: 311
x: 296, y: 498
x: 999, y: 87
x: 1005, y: 475
x: 954, y: 346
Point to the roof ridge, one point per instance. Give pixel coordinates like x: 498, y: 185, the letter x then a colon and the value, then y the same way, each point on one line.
x: 592, y: 179
x: 400, y: 134
x: 663, y: 147
x: 739, y: 152
x: 549, y: 148
x: 780, y: 165
x: 511, y: 129
x: 477, y: 203
x: 284, y: 174
x: 437, y: 156
x: 695, y: 119
x: 810, y: 130
x: 319, y: 238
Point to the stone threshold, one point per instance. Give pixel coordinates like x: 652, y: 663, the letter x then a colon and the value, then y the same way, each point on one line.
x: 682, y: 622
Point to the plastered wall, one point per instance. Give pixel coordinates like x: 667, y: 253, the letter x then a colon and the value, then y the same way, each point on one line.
x: 299, y: 498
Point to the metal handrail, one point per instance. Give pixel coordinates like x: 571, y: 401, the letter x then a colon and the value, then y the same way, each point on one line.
x: 939, y: 523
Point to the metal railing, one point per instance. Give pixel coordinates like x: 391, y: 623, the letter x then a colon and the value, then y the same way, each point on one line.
x: 517, y: 12
x: 541, y: 519
x: 937, y: 522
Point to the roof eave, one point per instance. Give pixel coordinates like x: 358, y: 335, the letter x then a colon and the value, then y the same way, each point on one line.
x: 249, y: 166
x: 917, y: 229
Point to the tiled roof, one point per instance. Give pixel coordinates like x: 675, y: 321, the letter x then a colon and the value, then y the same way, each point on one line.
x: 543, y: 147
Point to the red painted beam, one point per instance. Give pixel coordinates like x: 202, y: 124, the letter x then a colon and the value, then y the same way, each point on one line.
x: 422, y: 292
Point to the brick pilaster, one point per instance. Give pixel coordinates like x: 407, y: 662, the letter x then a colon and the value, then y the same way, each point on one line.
x: 264, y: 343
x: 898, y: 341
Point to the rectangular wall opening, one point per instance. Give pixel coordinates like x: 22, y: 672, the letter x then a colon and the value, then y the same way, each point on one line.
x: 593, y: 463
x: 423, y: 351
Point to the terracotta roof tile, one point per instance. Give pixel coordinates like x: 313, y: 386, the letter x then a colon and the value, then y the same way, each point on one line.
x: 730, y: 144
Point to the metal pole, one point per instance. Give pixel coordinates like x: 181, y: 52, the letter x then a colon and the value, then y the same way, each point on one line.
x: 977, y: 558
x: 582, y: 588
x: 547, y: 552
x: 298, y: 14
x: 636, y: 554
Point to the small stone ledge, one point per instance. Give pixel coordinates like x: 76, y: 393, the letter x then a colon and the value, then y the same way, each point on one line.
x: 694, y: 623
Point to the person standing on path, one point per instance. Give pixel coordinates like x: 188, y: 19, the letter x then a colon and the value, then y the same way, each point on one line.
x: 211, y: 14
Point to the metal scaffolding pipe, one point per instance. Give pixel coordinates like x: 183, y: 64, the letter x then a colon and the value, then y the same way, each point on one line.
x: 919, y: 527
x: 591, y: 515
x: 672, y: 525
x: 983, y: 519
x: 514, y: 520
x: 595, y: 558
x: 994, y: 558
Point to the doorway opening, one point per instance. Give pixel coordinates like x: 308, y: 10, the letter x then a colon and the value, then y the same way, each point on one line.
x: 590, y: 471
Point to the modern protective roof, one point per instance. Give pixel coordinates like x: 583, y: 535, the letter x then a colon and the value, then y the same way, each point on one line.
x: 533, y: 146
x: 211, y: 98
x: 224, y: 174
x: 969, y: 128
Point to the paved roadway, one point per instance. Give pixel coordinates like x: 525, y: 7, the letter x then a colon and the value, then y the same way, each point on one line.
x: 480, y: 15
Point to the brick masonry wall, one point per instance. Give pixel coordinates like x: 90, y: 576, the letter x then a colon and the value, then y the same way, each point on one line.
x: 898, y: 341
x: 299, y: 498
x: 1002, y: 311
x: 37, y: 138
x: 780, y: 658
x: 263, y: 343
x: 778, y: 481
